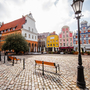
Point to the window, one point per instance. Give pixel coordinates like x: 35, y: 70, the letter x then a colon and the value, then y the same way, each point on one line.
x: 14, y: 28
x: 63, y: 44
x: 66, y: 35
x: 63, y: 31
x: 60, y: 44
x: 29, y: 28
x: 63, y: 39
x: 53, y: 44
x: 32, y: 36
x: 32, y: 29
x: 53, y: 41
x: 48, y: 44
x: 56, y: 40
x: 76, y: 42
x: 56, y: 44
x: 60, y: 39
x: 1, y: 31
x: 67, y: 44
x: 4, y: 30
x: 66, y: 31
x: 67, y: 39
x: 88, y: 30
x: 70, y: 39
x: 70, y: 44
x: 89, y: 40
x: 84, y: 36
x: 8, y: 29
x: 29, y: 35
x: 25, y: 35
x: 80, y: 42
x: 35, y: 37
x: 48, y: 41
x: 63, y: 36
x: 88, y: 35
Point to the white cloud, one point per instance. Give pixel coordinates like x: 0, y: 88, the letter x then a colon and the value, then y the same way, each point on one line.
x: 86, y: 14
x: 50, y: 15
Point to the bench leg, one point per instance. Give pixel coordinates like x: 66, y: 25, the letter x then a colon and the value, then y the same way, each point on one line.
x: 42, y: 67
x: 16, y: 61
x: 56, y: 69
x: 13, y: 63
x: 20, y: 60
x: 35, y: 67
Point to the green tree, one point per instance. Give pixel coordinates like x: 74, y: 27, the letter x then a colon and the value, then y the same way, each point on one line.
x: 15, y: 42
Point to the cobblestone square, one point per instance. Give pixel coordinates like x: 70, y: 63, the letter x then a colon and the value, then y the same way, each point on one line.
x: 15, y: 78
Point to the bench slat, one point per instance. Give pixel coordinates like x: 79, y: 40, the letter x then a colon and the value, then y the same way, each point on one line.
x: 38, y: 62
x: 49, y: 63
x: 13, y: 58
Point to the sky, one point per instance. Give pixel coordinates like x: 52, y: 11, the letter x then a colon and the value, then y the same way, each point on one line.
x: 50, y: 15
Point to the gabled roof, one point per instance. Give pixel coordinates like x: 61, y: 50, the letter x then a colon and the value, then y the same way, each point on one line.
x: 17, y: 24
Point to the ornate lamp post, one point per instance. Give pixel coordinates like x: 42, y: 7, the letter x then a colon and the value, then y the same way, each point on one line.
x: 77, y: 7
x: 0, y: 43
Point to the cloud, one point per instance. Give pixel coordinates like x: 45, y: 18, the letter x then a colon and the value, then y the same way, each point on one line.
x: 86, y: 14
x: 50, y: 15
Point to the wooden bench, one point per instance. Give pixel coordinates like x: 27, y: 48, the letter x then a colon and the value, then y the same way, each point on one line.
x: 46, y: 63
x: 14, y: 58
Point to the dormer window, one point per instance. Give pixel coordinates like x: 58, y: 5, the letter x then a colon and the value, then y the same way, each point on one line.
x: 14, y: 28
x: 4, y: 30
x: 1, y: 31
x: 8, y: 29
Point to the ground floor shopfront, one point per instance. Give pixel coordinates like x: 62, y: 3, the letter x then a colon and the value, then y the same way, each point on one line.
x: 33, y: 46
x: 84, y: 48
x: 66, y: 49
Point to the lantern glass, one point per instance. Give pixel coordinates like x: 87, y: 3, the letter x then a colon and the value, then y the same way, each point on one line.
x: 81, y: 3
x: 77, y: 6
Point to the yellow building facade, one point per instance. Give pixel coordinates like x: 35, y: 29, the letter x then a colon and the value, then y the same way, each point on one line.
x: 53, y: 42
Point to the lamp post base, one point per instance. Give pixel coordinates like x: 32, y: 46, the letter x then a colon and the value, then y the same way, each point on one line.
x: 80, y: 77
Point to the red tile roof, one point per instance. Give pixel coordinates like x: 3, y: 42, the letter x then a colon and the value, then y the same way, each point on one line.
x: 17, y: 23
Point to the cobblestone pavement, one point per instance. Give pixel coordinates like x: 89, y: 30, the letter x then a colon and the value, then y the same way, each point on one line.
x: 15, y: 78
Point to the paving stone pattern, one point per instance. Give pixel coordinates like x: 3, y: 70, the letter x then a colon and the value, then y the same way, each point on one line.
x: 15, y: 78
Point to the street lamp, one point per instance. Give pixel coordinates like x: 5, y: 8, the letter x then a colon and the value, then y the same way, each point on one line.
x: 77, y: 7
x: 0, y: 45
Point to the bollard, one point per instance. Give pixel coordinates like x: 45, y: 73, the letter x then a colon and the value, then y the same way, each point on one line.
x: 24, y: 63
x: 4, y: 59
x: 13, y: 62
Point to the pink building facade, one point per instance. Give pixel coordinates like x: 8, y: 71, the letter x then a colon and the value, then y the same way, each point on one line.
x: 65, y: 38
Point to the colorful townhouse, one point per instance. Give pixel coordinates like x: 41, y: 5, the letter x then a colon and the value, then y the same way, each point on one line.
x: 24, y: 26
x: 84, y: 37
x: 52, y: 42
x: 66, y: 39
x: 42, y: 41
